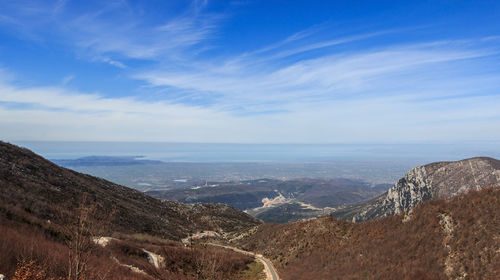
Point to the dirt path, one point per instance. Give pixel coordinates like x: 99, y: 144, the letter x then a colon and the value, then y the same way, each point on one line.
x: 271, y: 273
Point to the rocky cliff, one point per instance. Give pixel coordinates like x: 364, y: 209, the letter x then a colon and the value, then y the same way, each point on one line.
x: 435, y: 180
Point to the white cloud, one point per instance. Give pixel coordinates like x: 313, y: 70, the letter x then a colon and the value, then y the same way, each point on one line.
x: 59, y: 114
x: 388, y: 71
x: 112, y: 62
x: 277, y: 93
x: 55, y: 113
x: 111, y: 29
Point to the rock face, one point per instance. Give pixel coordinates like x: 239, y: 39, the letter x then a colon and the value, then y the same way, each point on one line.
x: 435, y: 180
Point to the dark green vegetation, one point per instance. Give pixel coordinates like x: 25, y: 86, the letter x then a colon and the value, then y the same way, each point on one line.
x: 288, y: 212
x: 48, y: 213
x: 248, y: 195
x: 254, y: 272
x: 455, y: 238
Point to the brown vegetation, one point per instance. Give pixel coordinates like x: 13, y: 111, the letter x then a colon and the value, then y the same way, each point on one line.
x: 42, y: 190
x: 440, y: 239
x: 29, y: 253
x: 49, y: 217
x: 190, y: 262
x: 24, y: 248
x: 29, y: 271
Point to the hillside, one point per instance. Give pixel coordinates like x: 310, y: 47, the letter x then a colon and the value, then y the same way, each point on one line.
x: 435, y: 180
x: 454, y: 238
x: 28, y: 252
x: 59, y: 224
x: 35, y: 187
x: 278, y: 200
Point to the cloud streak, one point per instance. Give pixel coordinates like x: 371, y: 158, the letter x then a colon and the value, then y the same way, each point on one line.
x: 113, y: 29
x: 308, y: 87
x: 395, y: 70
x: 59, y: 114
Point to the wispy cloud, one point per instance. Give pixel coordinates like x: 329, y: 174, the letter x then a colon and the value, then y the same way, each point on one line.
x: 313, y: 46
x: 312, y: 86
x: 131, y: 40
x: 386, y: 71
x: 56, y: 113
x: 67, y: 79
x: 113, y: 29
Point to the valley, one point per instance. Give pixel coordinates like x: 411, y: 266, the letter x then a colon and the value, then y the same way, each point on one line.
x: 439, y: 221
x: 155, y: 175
x: 48, y: 212
x: 279, y: 200
x: 249, y: 140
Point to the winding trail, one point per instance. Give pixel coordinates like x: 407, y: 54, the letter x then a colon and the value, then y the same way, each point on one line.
x: 271, y: 273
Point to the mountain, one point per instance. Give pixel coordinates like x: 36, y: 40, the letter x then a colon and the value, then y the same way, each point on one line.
x: 35, y: 187
x: 442, y: 222
x: 60, y: 224
x: 435, y: 180
x: 278, y: 200
x: 454, y: 238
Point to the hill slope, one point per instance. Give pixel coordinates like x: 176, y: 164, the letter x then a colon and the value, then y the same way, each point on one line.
x: 34, y: 187
x: 435, y: 180
x: 455, y: 238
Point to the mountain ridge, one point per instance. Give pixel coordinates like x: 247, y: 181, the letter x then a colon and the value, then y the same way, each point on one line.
x: 34, y: 186
x: 452, y: 238
x: 422, y: 183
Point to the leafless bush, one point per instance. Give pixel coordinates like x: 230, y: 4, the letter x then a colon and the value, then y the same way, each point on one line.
x: 87, y: 223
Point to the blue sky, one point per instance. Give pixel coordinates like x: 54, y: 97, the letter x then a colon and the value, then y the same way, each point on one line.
x: 250, y: 71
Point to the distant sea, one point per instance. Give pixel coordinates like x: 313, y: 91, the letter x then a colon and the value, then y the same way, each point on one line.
x: 284, y: 153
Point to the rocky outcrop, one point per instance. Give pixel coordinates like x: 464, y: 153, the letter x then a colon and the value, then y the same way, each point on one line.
x: 435, y: 180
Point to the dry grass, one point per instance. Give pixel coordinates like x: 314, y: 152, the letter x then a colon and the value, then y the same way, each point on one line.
x: 30, y: 253
x: 387, y: 248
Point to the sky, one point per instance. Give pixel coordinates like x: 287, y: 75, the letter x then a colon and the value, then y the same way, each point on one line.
x: 250, y: 71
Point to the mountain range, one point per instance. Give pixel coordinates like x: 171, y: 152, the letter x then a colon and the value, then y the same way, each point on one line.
x: 440, y: 221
